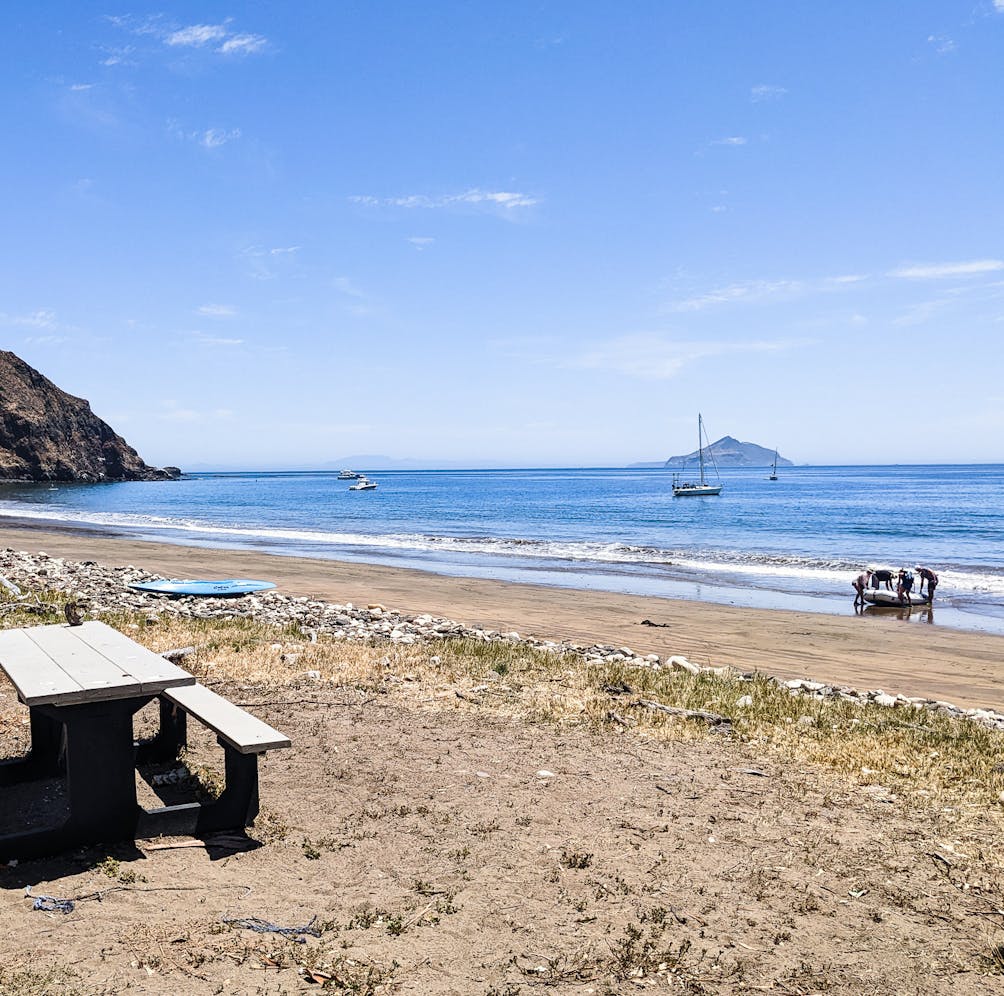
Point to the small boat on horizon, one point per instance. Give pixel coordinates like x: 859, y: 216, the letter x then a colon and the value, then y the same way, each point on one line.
x: 700, y: 488
x: 349, y: 475
x: 773, y: 469
x: 363, y: 484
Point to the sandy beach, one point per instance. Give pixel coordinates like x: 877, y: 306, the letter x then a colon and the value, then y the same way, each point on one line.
x: 965, y: 668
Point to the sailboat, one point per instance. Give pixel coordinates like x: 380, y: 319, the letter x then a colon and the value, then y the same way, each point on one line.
x: 688, y: 489
x: 773, y: 469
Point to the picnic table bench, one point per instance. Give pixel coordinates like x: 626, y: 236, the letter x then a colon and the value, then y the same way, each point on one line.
x: 83, y: 685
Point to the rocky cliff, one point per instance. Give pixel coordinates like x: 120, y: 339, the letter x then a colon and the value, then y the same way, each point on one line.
x: 729, y: 452
x: 49, y: 435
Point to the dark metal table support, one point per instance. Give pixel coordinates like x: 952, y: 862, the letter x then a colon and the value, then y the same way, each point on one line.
x: 43, y: 760
x: 100, y: 776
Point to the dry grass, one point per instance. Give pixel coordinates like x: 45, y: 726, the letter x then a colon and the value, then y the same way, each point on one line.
x: 952, y: 770
x: 928, y: 759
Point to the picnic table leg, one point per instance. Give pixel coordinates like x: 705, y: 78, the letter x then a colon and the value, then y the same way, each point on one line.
x: 171, y: 735
x: 42, y: 761
x: 100, y: 779
x: 100, y: 769
x: 237, y: 805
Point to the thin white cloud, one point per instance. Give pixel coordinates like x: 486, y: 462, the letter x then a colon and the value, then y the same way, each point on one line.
x: 648, y: 356
x: 220, y: 38
x: 45, y: 340
x: 347, y: 287
x: 213, y: 138
x: 936, y: 271
x: 284, y: 250
x: 505, y: 199
x: 921, y: 313
x: 197, y: 35
x: 217, y: 310
x: 942, y: 44
x: 243, y: 45
x: 215, y: 340
x: 753, y: 290
x: 421, y: 241
x: 999, y: 6
x: 730, y: 140
x: 765, y: 91
x: 78, y: 87
x: 41, y: 319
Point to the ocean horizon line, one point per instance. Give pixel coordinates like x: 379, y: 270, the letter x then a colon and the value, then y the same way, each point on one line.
x: 464, y: 468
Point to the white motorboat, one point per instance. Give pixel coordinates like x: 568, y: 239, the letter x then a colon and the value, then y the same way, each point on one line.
x: 701, y: 487
x: 349, y: 475
x: 363, y: 484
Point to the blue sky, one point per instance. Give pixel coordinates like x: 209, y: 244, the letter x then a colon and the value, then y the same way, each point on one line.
x: 521, y: 234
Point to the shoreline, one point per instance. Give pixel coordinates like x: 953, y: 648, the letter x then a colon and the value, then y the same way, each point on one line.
x: 963, y: 667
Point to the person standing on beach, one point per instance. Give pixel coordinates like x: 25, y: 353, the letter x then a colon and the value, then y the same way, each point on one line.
x: 859, y: 584
x: 926, y: 574
x: 881, y: 574
x: 904, y: 585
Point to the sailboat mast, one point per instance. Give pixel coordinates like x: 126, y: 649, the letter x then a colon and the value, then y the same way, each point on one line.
x: 700, y: 445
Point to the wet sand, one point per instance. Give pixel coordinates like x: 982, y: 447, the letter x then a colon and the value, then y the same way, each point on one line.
x: 865, y: 652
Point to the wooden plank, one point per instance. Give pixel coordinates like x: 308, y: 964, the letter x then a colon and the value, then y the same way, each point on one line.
x: 35, y: 675
x: 247, y: 733
x: 153, y: 672
x: 99, y: 677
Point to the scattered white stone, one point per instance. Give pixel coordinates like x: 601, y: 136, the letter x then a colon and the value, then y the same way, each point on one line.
x: 744, y: 701
x: 544, y: 773
x: 103, y: 590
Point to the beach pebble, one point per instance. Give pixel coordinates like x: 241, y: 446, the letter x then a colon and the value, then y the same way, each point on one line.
x: 682, y: 664
x: 544, y: 773
x: 103, y: 590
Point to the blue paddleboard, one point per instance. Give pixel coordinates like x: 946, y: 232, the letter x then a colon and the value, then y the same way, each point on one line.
x: 231, y: 586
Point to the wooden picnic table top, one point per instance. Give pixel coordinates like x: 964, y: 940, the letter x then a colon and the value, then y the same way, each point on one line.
x: 69, y: 665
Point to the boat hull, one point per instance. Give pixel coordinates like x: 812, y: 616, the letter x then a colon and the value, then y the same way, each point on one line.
x: 890, y: 600
x: 696, y: 490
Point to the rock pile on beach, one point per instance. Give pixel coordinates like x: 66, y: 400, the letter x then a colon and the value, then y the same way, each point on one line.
x: 99, y: 590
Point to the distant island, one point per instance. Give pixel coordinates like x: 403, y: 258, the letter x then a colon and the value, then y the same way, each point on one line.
x: 727, y: 452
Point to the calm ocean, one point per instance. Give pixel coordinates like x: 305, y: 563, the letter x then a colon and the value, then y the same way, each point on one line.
x: 795, y: 543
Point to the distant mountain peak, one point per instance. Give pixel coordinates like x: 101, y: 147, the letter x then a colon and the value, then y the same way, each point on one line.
x: 731, y: 452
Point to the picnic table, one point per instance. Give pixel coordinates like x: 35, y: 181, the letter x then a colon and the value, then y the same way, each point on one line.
x: 82, y: 685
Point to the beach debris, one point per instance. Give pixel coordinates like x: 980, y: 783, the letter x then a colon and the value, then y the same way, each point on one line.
x: 711, y: 718
x: 648, y: 622
x: 72, y: 613
x: 103, y: 590
x: 544, y: 773
x: 179, y: 653
x: 49, y: 904
x: 260, y: 926
x: 10, y: 586
x: 620, y: 688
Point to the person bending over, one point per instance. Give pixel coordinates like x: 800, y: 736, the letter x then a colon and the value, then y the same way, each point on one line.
x: 859, y: 584
x: 882, y: 576
x: 926, y: 574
